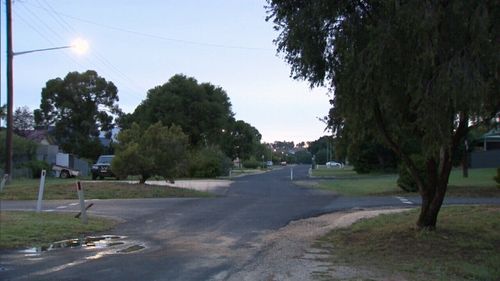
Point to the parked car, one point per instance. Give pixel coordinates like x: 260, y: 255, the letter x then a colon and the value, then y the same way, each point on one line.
x: 333, y: 164
x: 269, y: 164
x: 102, y: 168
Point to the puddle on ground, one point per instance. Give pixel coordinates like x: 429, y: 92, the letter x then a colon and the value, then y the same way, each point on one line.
x: 131, y: 249
x: 88, y: 242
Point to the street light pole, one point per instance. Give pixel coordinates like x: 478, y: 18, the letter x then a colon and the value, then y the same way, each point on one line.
x: 40, y: 50
x: 9, y: 152
x: 10, y: 90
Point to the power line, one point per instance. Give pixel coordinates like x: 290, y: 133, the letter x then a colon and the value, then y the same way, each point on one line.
x: 159, y: 37
x: 99, y: 58
x: 42, y: 35
x: 49, y: 28
x: 57, y: 18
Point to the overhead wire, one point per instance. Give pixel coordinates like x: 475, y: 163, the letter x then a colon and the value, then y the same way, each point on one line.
x: 43, y: 35
x: 50, y: 10
x: 100, y: 59
x: 56, y: 17
x: 62, y: 22
x: 45, y: 25
x: 160, y: 37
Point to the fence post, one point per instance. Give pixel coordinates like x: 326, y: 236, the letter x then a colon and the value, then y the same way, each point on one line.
x: 82, y: 202
x: 40, y: 192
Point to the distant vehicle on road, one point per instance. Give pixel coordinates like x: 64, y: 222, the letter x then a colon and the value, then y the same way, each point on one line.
x: 64, y: 172
x: 333, y: 164
x: 283, y: 163
x: 269, y: 164
x: 102, y: 168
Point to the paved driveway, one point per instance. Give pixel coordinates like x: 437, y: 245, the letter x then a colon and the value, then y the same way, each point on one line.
x: 185, y: 239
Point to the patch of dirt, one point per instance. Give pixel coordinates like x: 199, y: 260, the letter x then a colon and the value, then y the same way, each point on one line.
x: 288, y: 254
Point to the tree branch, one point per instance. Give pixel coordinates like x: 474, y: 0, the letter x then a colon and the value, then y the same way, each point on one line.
x: 395, y: 147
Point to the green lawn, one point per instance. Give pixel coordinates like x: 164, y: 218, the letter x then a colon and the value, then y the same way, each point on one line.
x: 66, y: 189
x: 346, y: 172
x: 464, y: 246
x: 28, y: 229
x: 480, y: 183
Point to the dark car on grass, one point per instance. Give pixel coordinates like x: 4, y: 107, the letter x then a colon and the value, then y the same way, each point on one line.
x: 102, y: 168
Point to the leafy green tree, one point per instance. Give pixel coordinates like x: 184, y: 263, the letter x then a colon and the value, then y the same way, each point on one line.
x: 23, y: 119
x: 323, y: 149
x: 303, y: 157
x: 23, y: 150
x: 321, y: 156
x: 245, y: 141
x: 402, y: 70
x: 81, y: 107
x: 3, y: 112
x: 367, y: 155
x: 203, y: 111
x: 155, y: 151
x: 208, y: 162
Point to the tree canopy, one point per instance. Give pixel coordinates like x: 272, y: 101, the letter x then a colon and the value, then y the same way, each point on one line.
x: 204, y: 113
x: 203, y: 110
x: 81, y: 107
x: 23, y: 119
x: 400, y: 70
x: 157, y: 150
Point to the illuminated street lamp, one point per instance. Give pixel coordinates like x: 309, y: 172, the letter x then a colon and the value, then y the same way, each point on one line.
x: 79, y: 45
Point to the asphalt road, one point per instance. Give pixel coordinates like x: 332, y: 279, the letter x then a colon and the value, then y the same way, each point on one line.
x: 187, y: 239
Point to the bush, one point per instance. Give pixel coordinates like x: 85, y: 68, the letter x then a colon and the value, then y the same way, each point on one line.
x: 208, y: 162
x: 252, y: 163
x: 405, y: 180
x: 370, y: 156
x: 36, y: 167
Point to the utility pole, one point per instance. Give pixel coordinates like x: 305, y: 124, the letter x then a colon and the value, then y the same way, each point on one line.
x: 10, y: 91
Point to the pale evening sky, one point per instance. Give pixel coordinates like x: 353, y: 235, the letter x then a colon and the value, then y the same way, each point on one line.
x: 139, y: 44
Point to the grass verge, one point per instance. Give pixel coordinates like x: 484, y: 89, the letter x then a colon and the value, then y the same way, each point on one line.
x: 66, y: 189
x: 28, y: 229
x: 464, y: 246
x: 480, y: 183
x: 346, y: 172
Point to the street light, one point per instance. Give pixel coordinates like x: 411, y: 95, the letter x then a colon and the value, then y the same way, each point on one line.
x: 79, y: 45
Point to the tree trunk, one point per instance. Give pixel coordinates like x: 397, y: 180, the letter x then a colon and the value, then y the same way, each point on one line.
x: 431, y: 204
x: 434, y: 190
x: 144, y: 178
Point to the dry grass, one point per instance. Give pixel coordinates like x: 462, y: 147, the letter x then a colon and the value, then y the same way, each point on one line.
x: 66, y: 189
x: 464, y: 247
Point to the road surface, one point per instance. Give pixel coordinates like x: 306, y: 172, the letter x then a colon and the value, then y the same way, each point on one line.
x: 187, y: 239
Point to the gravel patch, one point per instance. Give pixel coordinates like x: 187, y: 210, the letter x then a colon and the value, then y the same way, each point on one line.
x: 287, y: 254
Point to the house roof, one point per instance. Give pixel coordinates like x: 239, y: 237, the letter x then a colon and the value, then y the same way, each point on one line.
x: 38, y: 135
x: 491, y: 136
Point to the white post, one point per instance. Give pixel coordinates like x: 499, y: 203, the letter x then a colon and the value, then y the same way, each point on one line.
x: 4, y: 181
x: 291, y: 174
x: 82, y: 202
x: 40, y: 192
x: 230, y: 173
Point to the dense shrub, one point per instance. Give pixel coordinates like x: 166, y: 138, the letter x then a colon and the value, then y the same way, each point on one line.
x: 405, y: 180
x: 370, y: 156
x: 252, y: 163
x: 208, y: 162
x: 36, y: 167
